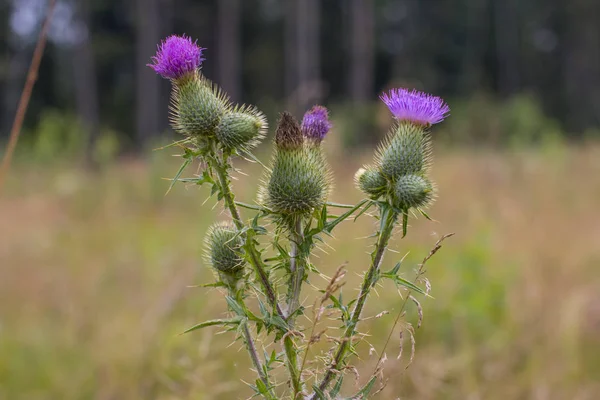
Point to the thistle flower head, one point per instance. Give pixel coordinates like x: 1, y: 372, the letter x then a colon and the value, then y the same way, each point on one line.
x: 288, y: 134
x: 416, y: 107
x: 176, y: 57
x: 315, y: 124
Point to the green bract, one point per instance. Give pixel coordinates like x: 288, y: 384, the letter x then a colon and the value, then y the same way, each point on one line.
x: 412, y: 191
x: 197, y: 106
x: 371, y: 181
x: 223, y: 248
x: 241, y: 128
x: 407, y: 151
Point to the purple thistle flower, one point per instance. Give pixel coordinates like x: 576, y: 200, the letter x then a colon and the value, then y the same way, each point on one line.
x: 315, y: 123
x: 417, y: 107
x: 177, y: 56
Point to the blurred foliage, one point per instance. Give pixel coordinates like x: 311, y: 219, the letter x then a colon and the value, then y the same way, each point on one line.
x: 95, y: 270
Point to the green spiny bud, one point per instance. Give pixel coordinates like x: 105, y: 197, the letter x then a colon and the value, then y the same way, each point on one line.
x: 223, y: 248
x: 412, y: 191
x: 407, y: 152
x: 196, y: 106
x: 299, y: 180
x: 241, y: 128
x: 371, y: 181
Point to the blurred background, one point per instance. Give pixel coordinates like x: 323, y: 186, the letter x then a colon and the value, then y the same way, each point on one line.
x: 95, y: 261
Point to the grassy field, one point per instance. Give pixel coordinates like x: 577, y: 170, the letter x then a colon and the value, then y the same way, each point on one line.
x: 95, y: 269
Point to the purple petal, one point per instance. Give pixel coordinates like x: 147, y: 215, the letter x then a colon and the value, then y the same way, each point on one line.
x: 315, y: 123
x: 415, y: 106
x: 177, y: 56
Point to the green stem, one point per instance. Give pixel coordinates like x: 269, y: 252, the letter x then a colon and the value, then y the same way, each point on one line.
x: 297, y: 268
x: 259, y: 268
x: 251, y: 347
x: 255, y: 261
x: 369, y: 280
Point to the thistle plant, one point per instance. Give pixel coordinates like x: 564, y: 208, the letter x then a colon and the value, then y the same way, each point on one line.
x: 263, y: 260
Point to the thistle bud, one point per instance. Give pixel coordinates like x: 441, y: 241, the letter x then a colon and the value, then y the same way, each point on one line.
x: 407, y: 152
x: 371, y: 182
x: 299, y: 180
x: 223, y: 252
x: 412, y: 191
x: 241, y: 129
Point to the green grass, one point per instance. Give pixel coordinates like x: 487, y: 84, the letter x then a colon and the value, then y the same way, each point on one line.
x: 95, y: 269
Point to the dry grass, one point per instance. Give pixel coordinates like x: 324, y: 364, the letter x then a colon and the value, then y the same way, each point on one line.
x: 93, y: 276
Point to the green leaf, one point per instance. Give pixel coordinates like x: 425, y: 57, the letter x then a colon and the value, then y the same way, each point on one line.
x: 187, y: 162
x: 261, y: 387
x: 330, y: 225
x: 213, y: 322
x: 319, y: 393
x: 339, y: 205
x: 404, y: 222
x: 235, y: 306
x: 337, y: 387
x: 403, y: 282
x: 364, y: 392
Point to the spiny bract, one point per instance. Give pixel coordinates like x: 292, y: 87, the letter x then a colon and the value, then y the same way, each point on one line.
x: 241, y: 128
x: 407, y: 151
x: 197, y: 106
x: 223, y: 248
x: 371, y: 181
x: 412, y: 191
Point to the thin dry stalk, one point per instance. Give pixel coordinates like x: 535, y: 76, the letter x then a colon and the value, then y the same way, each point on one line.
x: 32, y: 75
x: 436, y: 247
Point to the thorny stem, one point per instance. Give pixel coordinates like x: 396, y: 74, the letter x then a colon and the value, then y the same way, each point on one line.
x: 228, y: 198
x: 297, y: 267
x: 256, y: 361
x: 289, y: 346
x: 368, y: 282
x: 251, y: 347
x: 297, y: 263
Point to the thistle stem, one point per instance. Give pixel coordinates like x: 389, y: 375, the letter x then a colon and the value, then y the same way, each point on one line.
x: 297, y: 267
x: 369, y: 280
x: 251, y: 347
x: 256, y: 262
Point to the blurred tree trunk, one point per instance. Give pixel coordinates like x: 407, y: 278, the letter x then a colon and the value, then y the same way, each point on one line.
x: 362, y: 61
x: 148, y: 85
x: 582, y: 64
x: 506, y: 24
x: 291, y: 55
x: 13, y: 85
x: 302, y: 54
x: 84, y: 76
x: 228, y: 47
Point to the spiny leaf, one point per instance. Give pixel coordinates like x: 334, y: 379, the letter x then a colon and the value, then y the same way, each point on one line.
x: 319, y: 393
x: 235, y: 306
x: 213, y: 322
x: 187, y: 162
x: 337, y: 387
x: 330, y: 225
x: 364, y: 392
